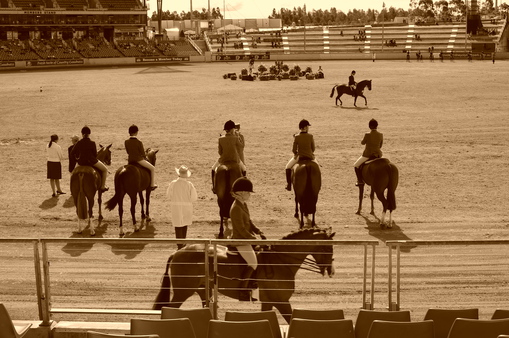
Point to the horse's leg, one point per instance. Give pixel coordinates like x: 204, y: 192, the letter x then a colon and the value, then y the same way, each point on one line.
x: 389, y: 225
x: 221, y: 229
x: 361, y: 196
x: 134, y: 200
x: 355, y: 101
x: 79, y: 226
x: 313, y: 224
x: 142, y: 202
x: 339, y: 98
x: 99, y: 201
x: 91, y: 215
x: 301, y: 220
x: 296, y: 215
x: 120, y: 213
x: 365, y: 100
x: 147, y: 203
x: 372, y: 196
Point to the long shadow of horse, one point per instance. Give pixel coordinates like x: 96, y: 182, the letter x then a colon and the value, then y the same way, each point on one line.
x: 49, y: 203
x: 132, y: 250
x: 77, y: 249
x: 393, y: 234
x: 69, y: 203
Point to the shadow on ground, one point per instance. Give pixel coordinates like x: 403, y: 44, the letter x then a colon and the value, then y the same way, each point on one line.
x: 387, y: 234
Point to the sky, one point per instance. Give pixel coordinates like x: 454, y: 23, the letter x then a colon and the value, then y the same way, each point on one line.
x: 259, y: 9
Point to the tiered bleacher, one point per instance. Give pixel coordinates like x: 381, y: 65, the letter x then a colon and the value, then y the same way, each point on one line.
x: 13, y: 50
x: 136, y: 48
x: 120, y: 4
x: 54, y: 49
x: 96, y: 48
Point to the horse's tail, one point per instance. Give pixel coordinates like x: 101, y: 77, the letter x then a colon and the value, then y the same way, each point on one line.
x: 163, y: 297
x: 332, y: 93
x: 391, y: 186
x: 82, y: 202
x: 112, y: 202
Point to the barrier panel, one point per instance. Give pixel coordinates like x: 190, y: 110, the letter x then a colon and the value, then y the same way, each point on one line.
x: 79, y: 278
x: 448, y: 274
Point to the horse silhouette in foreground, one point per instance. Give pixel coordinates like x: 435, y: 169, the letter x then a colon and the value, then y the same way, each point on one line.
x: 225, y: 175
x: 381, y: 175
x: 307, y: 182
x: 133, y: 180
x: 85, y: 182
x: 275, y: 275
x: 345, y: 89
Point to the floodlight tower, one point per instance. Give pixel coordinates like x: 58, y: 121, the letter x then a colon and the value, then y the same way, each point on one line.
x: 159, y: 15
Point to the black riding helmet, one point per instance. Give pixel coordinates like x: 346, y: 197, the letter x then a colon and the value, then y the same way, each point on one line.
x: 133, y: 129
x: 242, y: 184
x: 229, y: 125
x: 85, y: 130
x: 373, y: 124
x: 304, y: 123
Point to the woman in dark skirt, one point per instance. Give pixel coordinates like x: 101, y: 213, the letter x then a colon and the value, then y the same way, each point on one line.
x: 55, y: 157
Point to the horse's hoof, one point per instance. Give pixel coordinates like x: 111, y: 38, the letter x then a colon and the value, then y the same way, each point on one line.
x: 92, y: 233
x: 358, y: 213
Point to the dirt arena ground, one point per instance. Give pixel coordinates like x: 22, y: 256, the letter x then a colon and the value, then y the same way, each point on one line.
x: 444, y: 124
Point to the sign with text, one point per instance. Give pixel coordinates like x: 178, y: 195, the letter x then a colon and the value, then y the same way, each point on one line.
x: 55, y: 62
x: 7, y: 64
x: 242, y: 57
x: 163, y: 59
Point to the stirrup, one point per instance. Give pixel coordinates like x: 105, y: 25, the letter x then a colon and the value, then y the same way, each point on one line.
x: 105, y: 189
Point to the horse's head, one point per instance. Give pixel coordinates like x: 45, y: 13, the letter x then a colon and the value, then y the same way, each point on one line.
x: 322, y: 254
x: 151, y: 155
x: 369, y: 84
x: 104, y: 154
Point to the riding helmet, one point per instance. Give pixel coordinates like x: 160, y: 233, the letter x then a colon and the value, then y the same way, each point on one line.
x: 85, y: 130
x: 304, y: 123
x: 133, y: 129
x: 373, y: 124
x: 229, y: 125
x: 242, y: 184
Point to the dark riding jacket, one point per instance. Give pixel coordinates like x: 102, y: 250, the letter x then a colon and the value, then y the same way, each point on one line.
x: 85, y: 151
x: 304, y: 145
x: 230, y: 149
x: 243, y: 227
x: 135, y: 150
x: 373, y: 141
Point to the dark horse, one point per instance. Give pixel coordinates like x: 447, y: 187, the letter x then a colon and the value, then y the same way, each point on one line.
x: 380, y: 174
x: 275, y: 274
x: 133, y: 179
x: 225, y: 175
x: 307, y: 182
x: 345, y: 89
x: 85, y: 182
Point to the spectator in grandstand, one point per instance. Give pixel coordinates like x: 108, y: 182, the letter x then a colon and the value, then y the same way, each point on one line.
x: 181, y: 193
x: 373, y: 142
x: 86, y: 153
x: 54, y: 165
x: 303, y: 147
x: 136, y: 154
x: 230, y: 150
x: 72, y: 160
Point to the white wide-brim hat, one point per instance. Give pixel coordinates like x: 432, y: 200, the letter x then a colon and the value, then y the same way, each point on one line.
x: 183, y: 171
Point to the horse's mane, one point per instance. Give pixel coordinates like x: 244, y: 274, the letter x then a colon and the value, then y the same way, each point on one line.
x: 305, y: 232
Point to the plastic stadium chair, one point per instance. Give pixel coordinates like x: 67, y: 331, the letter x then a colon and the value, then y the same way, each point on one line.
x: 271, y: 316
x: 318, y: 314
x: 475, y: 328
x: 250, y: 329
x: 500, y: 314
x: 93, y: 334
x: 7, y: 328
x: 199, y: 318
x: 366, y: 317
x: 164, y: 328
x: 503, y: 336
x: 385, y: 329
x: 444, y: 318
x: 312, y: 328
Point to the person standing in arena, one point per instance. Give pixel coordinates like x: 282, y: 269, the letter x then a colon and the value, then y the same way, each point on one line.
x: 373, y: 143
x: 86, y: 153
x: 54, y: 165
x: 136, y: 153
x: 181, y: 193
x: 72, y: 160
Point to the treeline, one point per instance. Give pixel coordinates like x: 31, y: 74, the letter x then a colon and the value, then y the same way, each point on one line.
x: 420, y: 10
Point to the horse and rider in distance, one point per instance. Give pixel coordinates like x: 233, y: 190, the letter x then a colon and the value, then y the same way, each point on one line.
x: 352, y: 88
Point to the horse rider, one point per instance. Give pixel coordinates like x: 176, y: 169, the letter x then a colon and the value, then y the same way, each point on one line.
x: 244, y: 228
x: 136, y: 153
x: 373, y: 143
x: 85, y: 151
x: 351, y: 82
x: 303, y: 147
x: 230, y: 149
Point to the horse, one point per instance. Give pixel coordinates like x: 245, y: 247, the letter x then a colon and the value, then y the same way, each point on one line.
x: 275, y: 275
x: 307, y: 182
x: 85, y: 182
x: 344, y: 89
x: 133, y: 179
x: 381, y: 175
x: 225, y: 175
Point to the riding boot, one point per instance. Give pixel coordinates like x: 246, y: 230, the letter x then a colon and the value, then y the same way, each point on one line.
x: 289, y: 179
x: 358, y: 172
x: 244, y: 291
x: 213, y: 173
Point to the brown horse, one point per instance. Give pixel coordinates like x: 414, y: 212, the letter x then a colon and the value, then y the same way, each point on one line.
x: 307, y: 182
x: 381, y: 175
x: 275, y: 274
x: 133, y: 180
x: 344, y: 89
x: 225, y: 175
x: 85, y: 182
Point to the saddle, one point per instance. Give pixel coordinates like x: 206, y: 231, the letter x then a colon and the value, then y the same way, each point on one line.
x: 86, y: 169
x: 139, y: 166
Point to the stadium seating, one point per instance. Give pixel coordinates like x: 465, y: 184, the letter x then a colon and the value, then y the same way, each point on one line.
x: 444, y: 318
x: 366, y: 317
x: 7, y: 328
x: 311, y: 328
x: 16, y: 50
x: 199, y: 317
x: 136, y: 48
x: 96, y: 48
x: 271, y: 316
x: 330, y: 314
x: 164, y: 328
x: 244, y: 329
x: 93, y: 334
x: 389, y: 329
x: 475, y: 328
x: 500, y: 314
